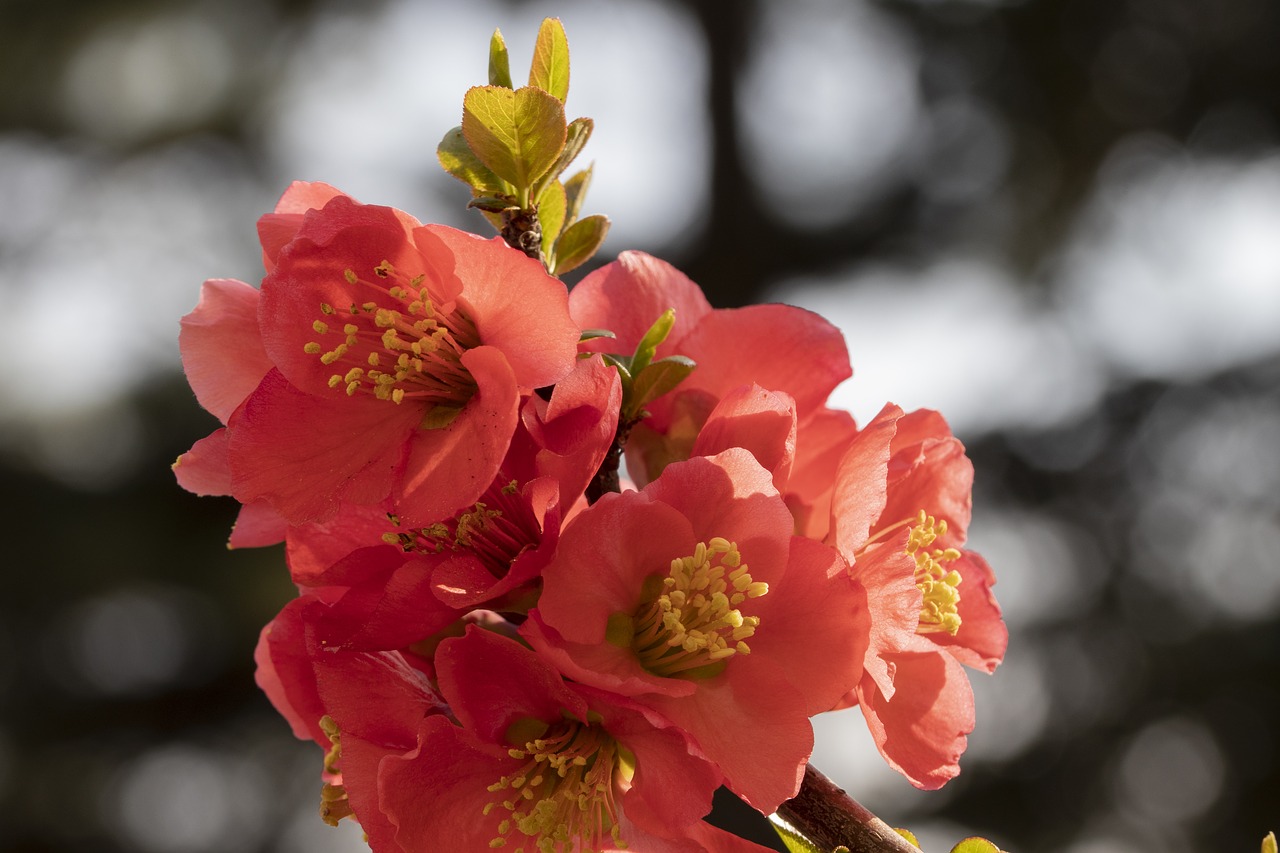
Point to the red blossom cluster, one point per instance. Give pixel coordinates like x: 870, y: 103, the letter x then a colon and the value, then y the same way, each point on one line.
x: 487, y: 660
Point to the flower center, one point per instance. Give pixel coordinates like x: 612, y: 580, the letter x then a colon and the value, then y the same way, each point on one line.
x: 399, y: 345
x: 688, y: 625
x: 936, y: 582
x: 562, y: 797
x: 497, y: 529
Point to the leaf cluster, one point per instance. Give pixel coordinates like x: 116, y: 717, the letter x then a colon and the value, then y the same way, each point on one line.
x: 513, y: 148
x: 643, y: 378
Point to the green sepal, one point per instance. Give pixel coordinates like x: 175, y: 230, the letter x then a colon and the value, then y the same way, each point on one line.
x: 499, y: 62
x: 550, y: 68
x: 457, y: 158
x: 658, y: 378
x: 517, y: 135
x: 592, y: 334
x: 439, y: 417
x: 579, y: 242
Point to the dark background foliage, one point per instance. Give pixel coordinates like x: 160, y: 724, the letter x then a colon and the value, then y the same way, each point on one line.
x: 1135, y: 533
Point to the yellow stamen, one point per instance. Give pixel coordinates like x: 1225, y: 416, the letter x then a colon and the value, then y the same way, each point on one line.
x: 937, y: 583
x: 691, y: 626
x: 562, y: 796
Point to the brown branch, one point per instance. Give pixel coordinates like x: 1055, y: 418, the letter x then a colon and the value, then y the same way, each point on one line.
x: 830, y: 818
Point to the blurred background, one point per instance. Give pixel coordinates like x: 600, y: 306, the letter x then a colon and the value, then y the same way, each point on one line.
x: 1057, y: 221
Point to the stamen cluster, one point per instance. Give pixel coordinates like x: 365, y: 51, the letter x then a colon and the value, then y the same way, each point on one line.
x: 695, y: 621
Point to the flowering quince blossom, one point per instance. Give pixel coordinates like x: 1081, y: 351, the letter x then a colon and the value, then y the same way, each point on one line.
x: 900, y: 511
x: 419, y: 339
x: 503, y: 748
x: 778, y: 347
x: 702, y: 606
x: 488, y: 660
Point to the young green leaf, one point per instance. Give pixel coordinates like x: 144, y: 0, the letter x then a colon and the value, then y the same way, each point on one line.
x: 490, y: 203
x: 457, y: 158
x: 499, y: 62
x: 518, y: 135
x: 794, y: 841
x: 658, y: 378
x: 550, y: 69
x: 652, y: 339
x: 592, y: 334
x: 575, y: 190
x: 907, y: 834
x: 1269, y: 843
x: 551, y: 208
x: 579, y: 242
x: 975, y: 845
x: 576, y: 136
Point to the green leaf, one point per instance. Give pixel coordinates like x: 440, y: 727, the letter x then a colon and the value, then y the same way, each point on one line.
x: 975, y: 845
x: 792, y: 840
x: 579, y: 242
x: 652, y: 340
x: 623, y: 363
x: 518, y: 135
x: 550, y: 69
x: 575, y: 190
x: 907, y: 834
x: 499, y: 62
x: 576, y: 135
x: 457, y: 158
x: 551, y: 207
x: 592, y: 334
x: 490, y: 203
x: 658, y: 378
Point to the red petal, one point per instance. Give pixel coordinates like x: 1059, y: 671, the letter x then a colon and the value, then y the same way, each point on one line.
x: 516, y: 306
x: 491, y: 681
x: 296, y: 451
x: 763, y: 422
x: 205, y: 469
x: 276, y: 229
x: 921, y: 731
x: 858, y: 498
x: 449, y: 468
x: 629, y: 295
x: 222, y: 351
x: 983, y: 636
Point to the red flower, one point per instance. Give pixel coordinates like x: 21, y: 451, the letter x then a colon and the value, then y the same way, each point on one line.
x: 418, y: 340
x: 778, y: 347
x: 900, y: 509
x: 693, y: 597
x: 534, y: 762
x: 491, y: 554
x: 360, y: 707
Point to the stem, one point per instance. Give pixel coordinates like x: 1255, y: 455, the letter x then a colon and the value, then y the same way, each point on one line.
x: 830, y: 818
x: 521, y: 230
x: 606, y: 476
